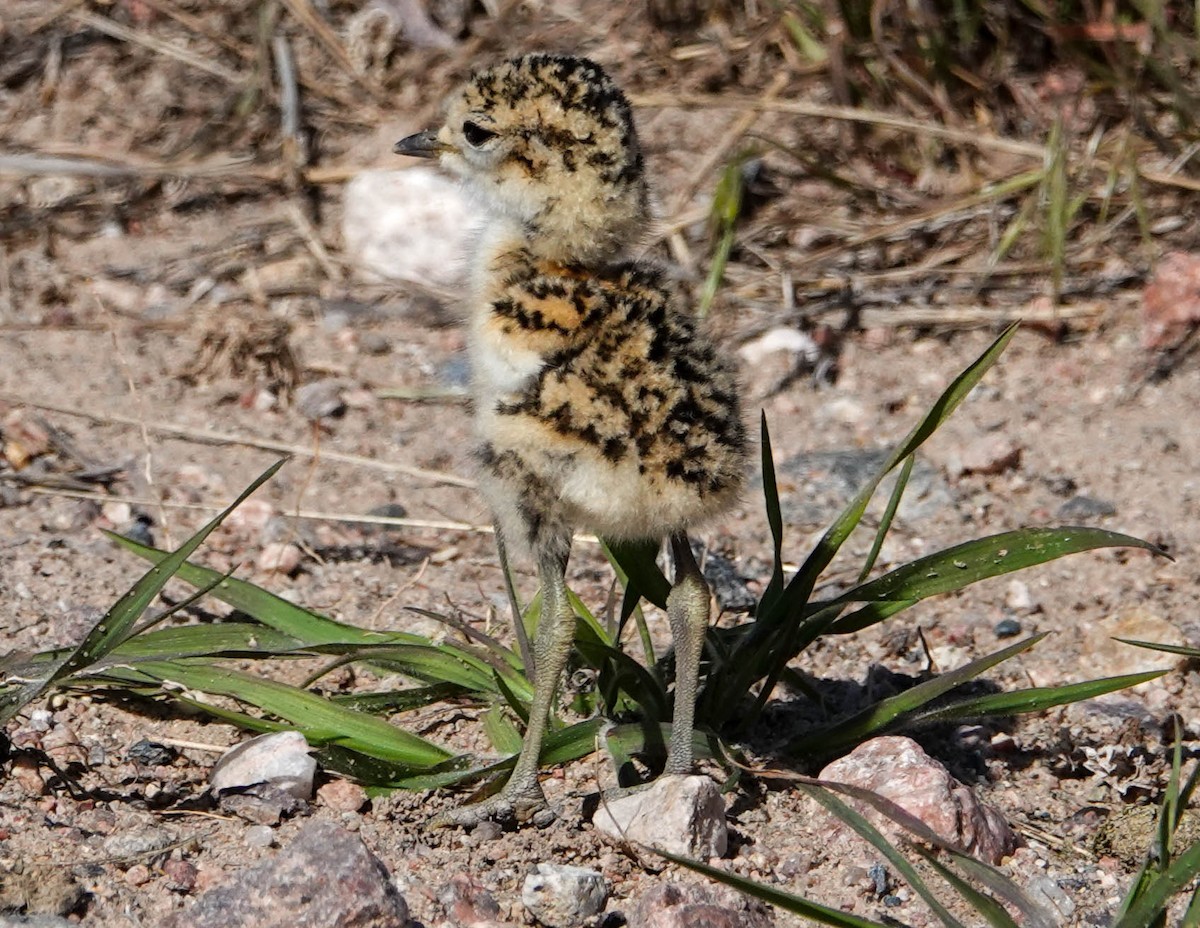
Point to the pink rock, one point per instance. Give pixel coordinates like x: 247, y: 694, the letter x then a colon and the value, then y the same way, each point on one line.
x: 1171, y: 301
x: 342, y: 796
x: 897, y: 769
x: 467, y: 903
x: 688, y: 905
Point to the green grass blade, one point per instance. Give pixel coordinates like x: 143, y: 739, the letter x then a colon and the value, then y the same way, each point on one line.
x: 889, y: 516
x: 774, y: 520
x: 776, y: 634
x: 941, y: 410
x: 405, y: 700
x: 868, y: 832
x: 970, y: 562
x: 890, y: 713
x: 1033, y: 699
x: 265, y: 607
x: 1154, y: 897
x: 226, y: 639
x: 993, y: 912
x: 639, y: 561
x: 1180, y: 649
x: 115, y: 625
x: 321, y: 720
x: 500, y: 731
x: 789, y: 902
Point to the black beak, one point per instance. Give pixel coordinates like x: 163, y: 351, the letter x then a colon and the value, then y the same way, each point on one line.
x: 422, y: 145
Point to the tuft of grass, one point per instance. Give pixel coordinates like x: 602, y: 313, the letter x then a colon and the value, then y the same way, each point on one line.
x: 362, y: 735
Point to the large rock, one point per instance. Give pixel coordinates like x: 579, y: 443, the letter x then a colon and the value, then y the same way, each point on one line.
x: 683, y: 815
x: 325, y: 877
x: 412, y: 224
x: 897, y: 769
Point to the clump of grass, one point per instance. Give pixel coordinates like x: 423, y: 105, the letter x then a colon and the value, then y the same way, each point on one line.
x: 744, y: 665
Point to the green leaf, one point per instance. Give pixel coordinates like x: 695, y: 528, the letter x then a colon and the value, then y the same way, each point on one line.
x: 639, y: 561
x: 500, y: 731
x: 318, y: 718
x: 265, y: 607
x: 1033, y: 699
x: 967, y: 563
x: 1154, y: 897
x: 789, y: 902
x: 890, y: 713
x: 872, y: 835
x: 115, y: 625
x: 985, y: 905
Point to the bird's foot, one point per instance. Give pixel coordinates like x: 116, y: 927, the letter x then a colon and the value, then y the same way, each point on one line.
x: 509, y: 807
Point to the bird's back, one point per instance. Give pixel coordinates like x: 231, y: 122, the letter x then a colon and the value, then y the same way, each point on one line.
x: 619, y: 408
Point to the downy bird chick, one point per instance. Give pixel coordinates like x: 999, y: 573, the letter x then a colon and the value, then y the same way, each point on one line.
x: 598, y: 405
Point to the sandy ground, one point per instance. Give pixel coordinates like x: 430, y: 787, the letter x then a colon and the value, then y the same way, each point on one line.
x: 105, y: 342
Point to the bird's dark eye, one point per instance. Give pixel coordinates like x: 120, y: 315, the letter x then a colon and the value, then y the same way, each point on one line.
x: 476, y: 135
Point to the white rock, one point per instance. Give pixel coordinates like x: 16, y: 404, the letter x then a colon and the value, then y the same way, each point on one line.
x: 683, y: 815
x: 561, y: 896
x: 413, y: 224
x: 780, y: 338
x: 280, y: 758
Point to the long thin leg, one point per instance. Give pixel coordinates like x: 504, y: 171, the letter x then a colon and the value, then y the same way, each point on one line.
x: 522, y: 796
x: 687, y: 611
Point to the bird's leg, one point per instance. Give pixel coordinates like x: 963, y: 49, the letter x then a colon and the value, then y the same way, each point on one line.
x: 687, y: 611
x: 521, y: 797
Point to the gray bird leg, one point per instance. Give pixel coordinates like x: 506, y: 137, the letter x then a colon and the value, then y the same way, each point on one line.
x: 687, y: 612
x: 522, y: 796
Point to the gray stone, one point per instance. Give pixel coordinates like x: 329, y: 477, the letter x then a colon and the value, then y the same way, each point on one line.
x: 561, y: 896
x: 326, y: 876
x: 281, y: 759
x: 683, y: 815
x: 1086, y: 507
x: 814, y: 487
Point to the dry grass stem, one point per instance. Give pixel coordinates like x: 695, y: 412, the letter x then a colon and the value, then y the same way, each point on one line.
x: 117, y: 31
x: 212, y: 437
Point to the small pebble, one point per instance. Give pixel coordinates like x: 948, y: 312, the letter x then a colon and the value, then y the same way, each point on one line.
x: 260, y: 836
x: 1086, y: 507
x: 1007, y: 628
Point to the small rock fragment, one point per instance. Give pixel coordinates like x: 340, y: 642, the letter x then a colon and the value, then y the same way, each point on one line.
x: 326, y: 876
x: 342, y: 795
x: 466, y: 901
x: 1007, y: 628
x: 179, y: 875
x: 281, y: 759
x: 259, y: 836
x: 321, y: 399
x: 561, y: 896
x: 1045, y: 889
x: 681, y: 814
x: 1018, y: 598
x: 279, y: 558
x: 1086, y: 507
x: 687, y: 905
x: 1171, y: 301
x: 897, y: 769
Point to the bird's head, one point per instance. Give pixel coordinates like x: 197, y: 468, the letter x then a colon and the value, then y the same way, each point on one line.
x: 549, y: 141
